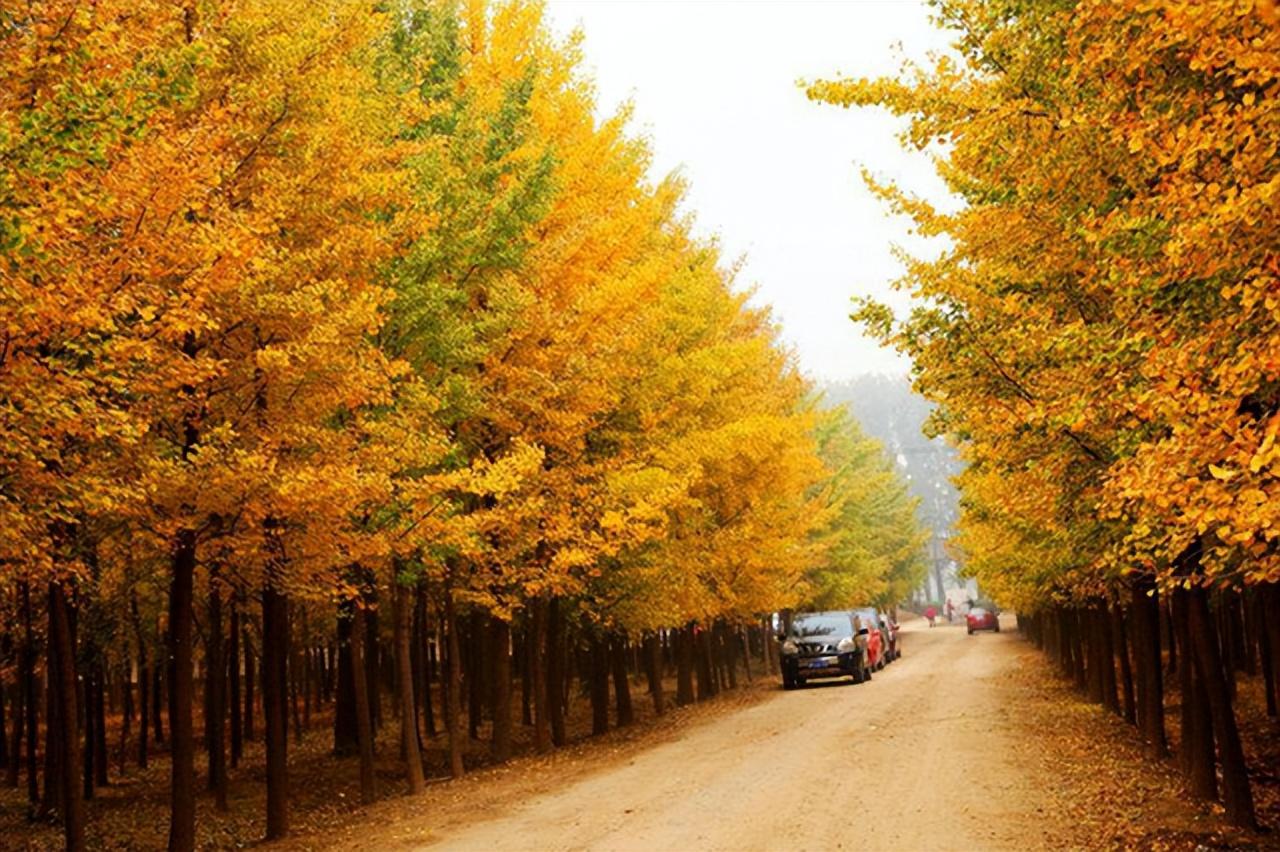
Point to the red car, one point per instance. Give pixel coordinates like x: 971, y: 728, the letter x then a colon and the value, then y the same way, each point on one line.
x: 870, y: 631
x: 980, y: 618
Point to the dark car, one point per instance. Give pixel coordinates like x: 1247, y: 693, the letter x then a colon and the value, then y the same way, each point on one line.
x: 981, y: 618
x: 822, y: 645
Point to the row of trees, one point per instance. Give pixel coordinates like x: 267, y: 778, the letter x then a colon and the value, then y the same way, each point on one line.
x: 316, y: 312
x: 1100, y: 330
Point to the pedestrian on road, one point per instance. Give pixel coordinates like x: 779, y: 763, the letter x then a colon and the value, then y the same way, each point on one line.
x: 951, y: 611
x: 931, y: 613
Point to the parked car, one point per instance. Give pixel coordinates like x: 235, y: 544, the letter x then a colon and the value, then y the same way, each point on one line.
x: 891, y: 630
x: 872, y: 630
x: 822, y: 645
x: 981, y: 618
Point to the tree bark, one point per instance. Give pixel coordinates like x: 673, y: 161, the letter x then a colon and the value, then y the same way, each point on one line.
x: 538, y: 643
x: 599, y: 681
x: 62, y: 676
x: 500, y: 653
x: 408, y: 713
x: 233, y: 683
x: 215, y: 683
x: 1120, y: 629
x: 360, y: 700
x: 1237, y: 797
x: 1146, y: 608
x: 453, y: 720
x: 621, y: 685
x: 555, y: 672
x: 1195, y: 741
x: 182, y: 814
x: 275, y: 710
x: 684, y: 666
x: 345, y: 735
x: 653, y: 671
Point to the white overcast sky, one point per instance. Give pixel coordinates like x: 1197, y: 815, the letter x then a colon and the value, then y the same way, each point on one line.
x: 713, y: 83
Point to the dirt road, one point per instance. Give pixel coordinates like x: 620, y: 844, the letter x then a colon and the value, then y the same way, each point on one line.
x: 919, y: 758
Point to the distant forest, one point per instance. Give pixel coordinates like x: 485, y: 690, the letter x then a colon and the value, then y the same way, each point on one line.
x: 892, y: 413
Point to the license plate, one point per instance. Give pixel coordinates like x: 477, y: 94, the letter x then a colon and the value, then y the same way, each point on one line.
x: 820, y: 664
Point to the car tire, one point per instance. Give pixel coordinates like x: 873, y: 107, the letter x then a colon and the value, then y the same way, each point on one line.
x: 970, y: 631
x: 997, y: 628
x: 788, y: 682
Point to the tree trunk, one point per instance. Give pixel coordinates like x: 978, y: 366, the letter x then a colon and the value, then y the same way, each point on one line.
x: 453, y: 720
x: 475, y: 658
x: 705, y: 665
x: 621, y: 686
x: 1258, y: 603
x: 275, y: 710
x: 1108, y: 659
x: 408, y: 714
x: 62, y: 680
x: 538, y: 645
x: 372, y: 650
x: 360, y: 700
x: 555, y: 671
x: 653, y: 671
x: 182, y: 814
x: 33, y: 704
x: 215, y: 683
x: 250, y: 684
x: 345, y: 736
x: 1145, y: 607
x: 1236, y: 795
x: 1195, y: 741
x: 599, y: 681
x: 500, y: 653
x: 1120, y: 630
x: 684, y: 666
x: 233, y: 683
x: 427, y: 663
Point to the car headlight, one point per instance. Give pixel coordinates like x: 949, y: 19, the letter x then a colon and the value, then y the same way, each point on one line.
x: 846, y: 645
x: 790, y: 647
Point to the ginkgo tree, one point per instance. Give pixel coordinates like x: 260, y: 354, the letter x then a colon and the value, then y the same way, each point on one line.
x: 1099, y: 329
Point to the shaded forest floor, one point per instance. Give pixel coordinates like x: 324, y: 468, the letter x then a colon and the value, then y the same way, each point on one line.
x: 1113, y: 796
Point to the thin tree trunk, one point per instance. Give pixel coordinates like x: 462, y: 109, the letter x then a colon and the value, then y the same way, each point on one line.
x: 621, y: 685
x: 653, y: 670
x: 346, y: 738
x: 63, y: 681
x: 1145, y: 608
x: 555, y: 672
x: 1236, y: 794
x: 1120, y: 629
x: 215, y: 684
x: 233, y: 683
x: 408, y: 714
x: 1195, y: 741
x: 599, y: 682
x: 363, y: 720
x: 537, y: 644
x: 182, y: 813
x: 500, y: 653
x: 684, y: 666
x: 453, y: 721
x: 275, y: 710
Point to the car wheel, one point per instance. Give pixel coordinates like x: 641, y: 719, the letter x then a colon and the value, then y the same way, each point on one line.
x: 788, y: 682
x: 997, y: 628
x: 970, y: 631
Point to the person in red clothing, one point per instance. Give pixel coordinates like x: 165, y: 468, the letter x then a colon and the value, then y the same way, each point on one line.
x: 931, y: 613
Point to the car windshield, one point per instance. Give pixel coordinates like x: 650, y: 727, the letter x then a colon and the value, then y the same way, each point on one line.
x: 821, y: 624
x: 978, y: 612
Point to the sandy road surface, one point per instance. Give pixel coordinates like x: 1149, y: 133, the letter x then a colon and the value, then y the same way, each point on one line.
x: 918, y: 758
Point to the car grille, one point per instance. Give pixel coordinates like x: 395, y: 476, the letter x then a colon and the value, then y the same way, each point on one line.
x: 814, y: 649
